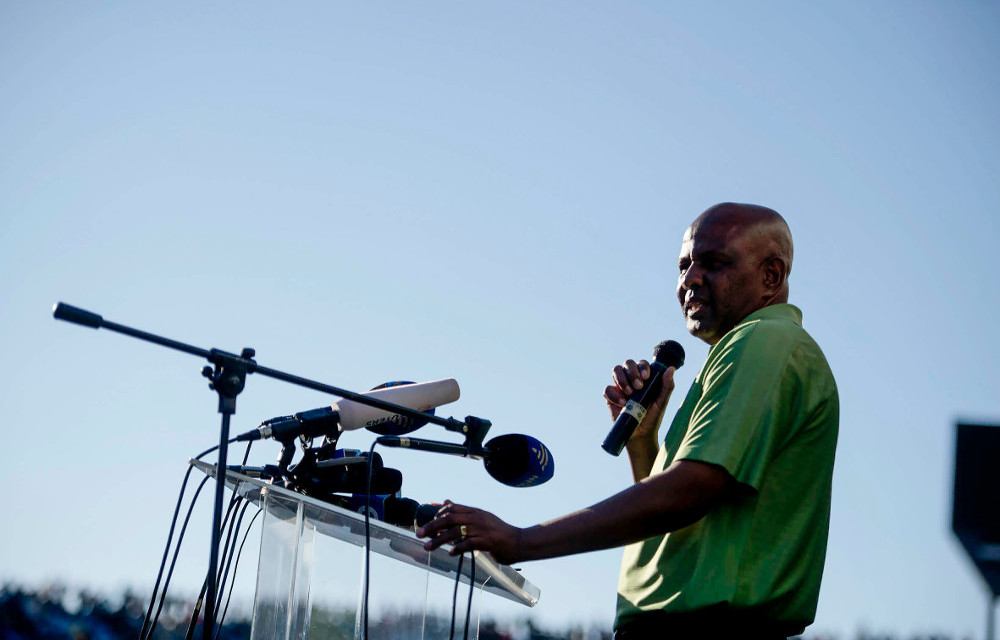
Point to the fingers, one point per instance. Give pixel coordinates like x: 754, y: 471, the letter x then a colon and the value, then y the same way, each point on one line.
x: 469, y: 529
x: 453, y: 523
x: 463, y: 546
x: 614, y: 396
x: 629, y: 376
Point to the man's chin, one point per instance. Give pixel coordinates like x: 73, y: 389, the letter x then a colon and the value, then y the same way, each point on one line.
x: 701, y: 329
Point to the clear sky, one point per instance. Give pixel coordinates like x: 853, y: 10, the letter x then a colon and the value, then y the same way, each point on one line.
x: 495, y: 192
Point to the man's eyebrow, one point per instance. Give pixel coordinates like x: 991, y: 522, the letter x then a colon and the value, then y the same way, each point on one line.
x: 711, y: 254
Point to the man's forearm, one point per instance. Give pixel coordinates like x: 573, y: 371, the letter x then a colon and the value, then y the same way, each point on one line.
x: 664, y: 502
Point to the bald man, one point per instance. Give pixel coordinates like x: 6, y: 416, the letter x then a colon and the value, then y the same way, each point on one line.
x: 726, y: 524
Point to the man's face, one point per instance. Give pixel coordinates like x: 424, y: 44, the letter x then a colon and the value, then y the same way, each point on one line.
x: 720, y: 280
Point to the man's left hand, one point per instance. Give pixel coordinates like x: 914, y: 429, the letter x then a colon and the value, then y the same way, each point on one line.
x: 472, y: 529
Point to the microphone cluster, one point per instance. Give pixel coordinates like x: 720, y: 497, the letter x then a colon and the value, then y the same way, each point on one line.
x: 357, y: 480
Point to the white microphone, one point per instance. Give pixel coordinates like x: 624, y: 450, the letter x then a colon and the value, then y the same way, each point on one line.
x: 348, y: 415
x: 420, y: 396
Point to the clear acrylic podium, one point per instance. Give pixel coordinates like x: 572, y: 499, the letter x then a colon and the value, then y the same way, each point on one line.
x: 283, y: 599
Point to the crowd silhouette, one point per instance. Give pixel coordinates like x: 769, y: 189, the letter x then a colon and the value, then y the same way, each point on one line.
x: 58, y: 613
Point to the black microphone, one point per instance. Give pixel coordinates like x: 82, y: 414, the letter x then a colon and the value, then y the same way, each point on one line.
x: 399, y: 511
x: 347, y: 474
x: 666, y: 354
x: 352, y: 480
x: 514, y: 459
x: 425, y: 513
x: 309, y: 424
x: 391, y: 509
x: 519, y: 461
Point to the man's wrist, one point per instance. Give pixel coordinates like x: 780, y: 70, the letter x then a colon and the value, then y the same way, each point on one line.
x: 642, y: 443
x: 518, y: 545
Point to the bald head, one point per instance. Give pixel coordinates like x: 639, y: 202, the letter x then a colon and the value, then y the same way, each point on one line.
x: 764, y: 230
x: 735, y: 259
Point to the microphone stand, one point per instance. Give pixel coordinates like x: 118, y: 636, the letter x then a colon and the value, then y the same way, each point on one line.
x: 227, y: 378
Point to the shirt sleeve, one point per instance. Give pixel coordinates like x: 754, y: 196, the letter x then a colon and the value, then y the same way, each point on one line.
x: 737, y: 423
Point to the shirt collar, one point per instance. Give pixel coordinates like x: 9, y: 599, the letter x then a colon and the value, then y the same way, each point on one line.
x: 782, y: 311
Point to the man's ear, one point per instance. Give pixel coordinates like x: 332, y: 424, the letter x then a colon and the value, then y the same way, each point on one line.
x: 775, y: 273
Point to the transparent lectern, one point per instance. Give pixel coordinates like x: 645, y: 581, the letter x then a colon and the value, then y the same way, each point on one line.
x: 283, y: 599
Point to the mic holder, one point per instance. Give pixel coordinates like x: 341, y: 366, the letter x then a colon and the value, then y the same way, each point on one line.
x: 474, y: 435
x: 326, y: 448
x: 471, y: 448
x: 227, y: 377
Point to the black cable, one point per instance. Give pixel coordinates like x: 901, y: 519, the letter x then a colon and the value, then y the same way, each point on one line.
x: 204, y: 585
x: 166, y: 552
x: 234, y: 501
x: 197, y: 609
x: 196, y: 612
x: 368, y: 536
x: 226, y: 558
x: 236, y: 565
x: 210, y: 450
x: 170, y: 535
x: 454, y: 597
x: 472, y: 588
x: 173, y: 561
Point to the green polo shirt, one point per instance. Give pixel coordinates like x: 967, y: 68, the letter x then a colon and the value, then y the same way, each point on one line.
x: 764, y: 407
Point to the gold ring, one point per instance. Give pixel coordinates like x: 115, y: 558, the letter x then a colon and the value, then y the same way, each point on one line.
x: 464, y: 531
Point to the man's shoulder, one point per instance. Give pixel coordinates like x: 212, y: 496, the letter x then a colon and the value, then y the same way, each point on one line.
x: 773, y: 334
x: 775, y: 324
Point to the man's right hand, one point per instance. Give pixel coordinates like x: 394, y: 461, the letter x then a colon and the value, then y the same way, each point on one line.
x: 643, y: 445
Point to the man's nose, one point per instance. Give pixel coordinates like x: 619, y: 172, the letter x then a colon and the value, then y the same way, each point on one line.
x: 690, y: 278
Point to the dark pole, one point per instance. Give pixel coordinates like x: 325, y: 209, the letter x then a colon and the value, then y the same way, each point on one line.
x: 227, y: 379
x: 991, y: 610
x: 208, y: 625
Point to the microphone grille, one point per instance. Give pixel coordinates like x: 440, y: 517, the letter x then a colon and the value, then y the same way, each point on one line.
x: 518, y: 460
x: 669, y: 353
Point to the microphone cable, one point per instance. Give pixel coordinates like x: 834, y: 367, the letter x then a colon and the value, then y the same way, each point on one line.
x: 236, y: 565
x: 166, y: 552
x: 367, y: 572
x: 472, y: 588
x: 173, y: 562
x: 368, y: 534
x: 454, y: 597
x: 200, y: 601
x: 166, y: 547
x: 228, y: 551
x: 234, y: 500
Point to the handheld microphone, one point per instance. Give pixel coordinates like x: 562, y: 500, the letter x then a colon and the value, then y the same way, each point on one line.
x: 666, y: 354
x: 348, y: 415
x: 514, y: 459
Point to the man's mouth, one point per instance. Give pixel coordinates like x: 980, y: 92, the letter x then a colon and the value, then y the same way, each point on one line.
x: 692, y: 307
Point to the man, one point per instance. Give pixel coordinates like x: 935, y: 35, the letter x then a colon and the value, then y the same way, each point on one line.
x: 726, y: 524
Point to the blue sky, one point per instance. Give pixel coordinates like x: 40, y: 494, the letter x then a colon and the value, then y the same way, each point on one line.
x: 494, y: 192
